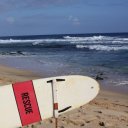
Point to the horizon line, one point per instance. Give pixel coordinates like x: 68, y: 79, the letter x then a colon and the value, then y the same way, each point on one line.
x: 63, y: 34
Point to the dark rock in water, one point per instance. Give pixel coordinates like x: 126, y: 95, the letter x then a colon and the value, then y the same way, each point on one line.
x: 99, y: 77
x: 101, y: 73
x: 20, y: 52
x: 17, y: 52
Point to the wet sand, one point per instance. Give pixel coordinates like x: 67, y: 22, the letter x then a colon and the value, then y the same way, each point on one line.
x: 107, y: 110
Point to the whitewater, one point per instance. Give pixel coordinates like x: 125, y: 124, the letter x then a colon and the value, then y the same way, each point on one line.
x: 106, y: 43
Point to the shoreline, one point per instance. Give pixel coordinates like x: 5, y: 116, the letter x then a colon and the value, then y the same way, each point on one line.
x: 108, y: 109
x: 10, y: 75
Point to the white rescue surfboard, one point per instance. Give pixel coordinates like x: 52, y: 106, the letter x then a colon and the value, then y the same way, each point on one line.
x: 32, y: 101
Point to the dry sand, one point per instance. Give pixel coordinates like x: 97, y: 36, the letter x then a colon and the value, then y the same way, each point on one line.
x: 107, y: 110
x: 11, y: 75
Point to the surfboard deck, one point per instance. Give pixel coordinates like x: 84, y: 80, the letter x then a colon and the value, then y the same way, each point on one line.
x: 32, y: 101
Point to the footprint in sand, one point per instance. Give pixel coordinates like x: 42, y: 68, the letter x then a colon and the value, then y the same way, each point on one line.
x: 101, y: 123
x: 126, y: 111
x: 98, y: 111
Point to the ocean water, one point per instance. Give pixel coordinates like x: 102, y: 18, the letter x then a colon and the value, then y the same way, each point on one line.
x: 102, y: 55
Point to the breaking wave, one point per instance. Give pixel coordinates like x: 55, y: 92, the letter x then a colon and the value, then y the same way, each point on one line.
x: 102, y: 47
x: 96, y: 39
x: 106, y: 43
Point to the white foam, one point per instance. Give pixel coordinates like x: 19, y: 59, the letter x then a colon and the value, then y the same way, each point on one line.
x: 84, y: 38
x: 67, y: 37
x: 121, y: 83
x: 81, y: 46
x: 125, y: 39
x: 34, y: 42
x: 16, y: 41
x: 97, y: 39
x: 103, y: 47
x: 73, y: 40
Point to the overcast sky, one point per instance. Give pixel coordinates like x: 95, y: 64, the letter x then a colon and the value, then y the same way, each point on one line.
x: 33, y: 17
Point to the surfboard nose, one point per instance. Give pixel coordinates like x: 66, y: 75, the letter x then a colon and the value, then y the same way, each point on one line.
x: 76, y: 91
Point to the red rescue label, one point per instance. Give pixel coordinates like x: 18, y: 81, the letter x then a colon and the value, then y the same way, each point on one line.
x: 26, y: 102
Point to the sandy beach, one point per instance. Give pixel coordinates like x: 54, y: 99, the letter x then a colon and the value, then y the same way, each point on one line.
x: 11, y: 75
x: 107, y: 110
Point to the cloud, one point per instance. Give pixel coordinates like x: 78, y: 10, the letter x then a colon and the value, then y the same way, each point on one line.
x: 15, y: 4
x: 10, y: 20
x: 8, y: 5
x: 106, y: 2
x: 74, y: 20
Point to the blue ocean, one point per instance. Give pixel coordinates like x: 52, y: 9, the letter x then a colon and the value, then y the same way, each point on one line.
x: 103, y: 56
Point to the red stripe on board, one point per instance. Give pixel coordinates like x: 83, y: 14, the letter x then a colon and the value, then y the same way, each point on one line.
x: 55, y: 106
x: 26, y: 102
